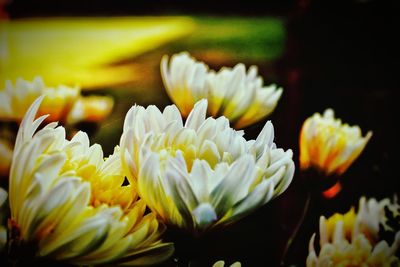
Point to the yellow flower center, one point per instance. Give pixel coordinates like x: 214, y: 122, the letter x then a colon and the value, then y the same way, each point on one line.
x: 106, y: 188
x: 189, y: 153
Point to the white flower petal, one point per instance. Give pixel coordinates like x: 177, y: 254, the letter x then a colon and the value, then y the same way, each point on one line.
x: 234, y: 186
x: 197, y: 116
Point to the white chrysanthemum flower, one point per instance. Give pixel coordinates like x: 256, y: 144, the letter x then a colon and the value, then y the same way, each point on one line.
x: 70, y: 202
x: 3, y: 229
x: 202, y: 173
x: 353, y: 239
x: 328, y: 145
x: 15, y: 100
x: 234, y: 92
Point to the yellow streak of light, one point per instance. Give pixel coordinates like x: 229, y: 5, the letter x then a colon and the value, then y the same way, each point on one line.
x: 80, y: 51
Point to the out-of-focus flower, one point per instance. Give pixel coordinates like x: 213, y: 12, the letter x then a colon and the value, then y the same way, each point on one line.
x: 61, y: 104
x: 69, y: 201
x: 222, y: 264
x: 353, y: 239
x: 91, y: 109
x: 202, y: 173
x: 234, y: 92
x: 3, y: 229
x: 5, y: 157
x: 15, y: 100
x: 328, y: 145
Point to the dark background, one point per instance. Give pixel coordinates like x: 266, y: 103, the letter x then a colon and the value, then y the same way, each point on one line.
x: 339, y: 54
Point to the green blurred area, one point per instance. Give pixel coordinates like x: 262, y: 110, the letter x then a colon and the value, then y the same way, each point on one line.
x: 242, y: 38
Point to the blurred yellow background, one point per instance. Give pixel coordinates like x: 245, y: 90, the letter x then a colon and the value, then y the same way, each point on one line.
x: 81, y: 51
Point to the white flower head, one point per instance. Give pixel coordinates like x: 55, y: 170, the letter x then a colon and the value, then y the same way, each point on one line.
x: 328, y: 145
x: 353, y: 239
x: 69, y: 200
x: 202, y: 173
x: 234, y: 92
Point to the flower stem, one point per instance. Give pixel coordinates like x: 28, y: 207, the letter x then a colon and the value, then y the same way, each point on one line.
x: 296, y: 229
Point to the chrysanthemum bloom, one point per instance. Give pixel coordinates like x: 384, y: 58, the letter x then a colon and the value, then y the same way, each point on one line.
x: 222, y: 264
x: 15, y: 100
x: 3, y: 229
x: 68, y: 201
x: 91, y: 109
x: 202, y: 173
x: 353, y: 239
x: 234, y: 92
x: 328, y: 145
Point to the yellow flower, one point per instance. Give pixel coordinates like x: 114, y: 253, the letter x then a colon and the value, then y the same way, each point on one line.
x: 222, y: 264
x: 231, y: 92
x: 353, y: 239
x: 203, y: 173
x: 3, y: 230
x: 68, y: 200
x: 91, y: 108
x: 15, y: 100
x: 5, y: 157
x: 328, y: 145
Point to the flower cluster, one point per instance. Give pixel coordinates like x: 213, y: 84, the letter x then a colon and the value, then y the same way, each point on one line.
x: 353, y: 239
x: 234, y: 92
x: 73, y: 204
x: 177, y: 168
